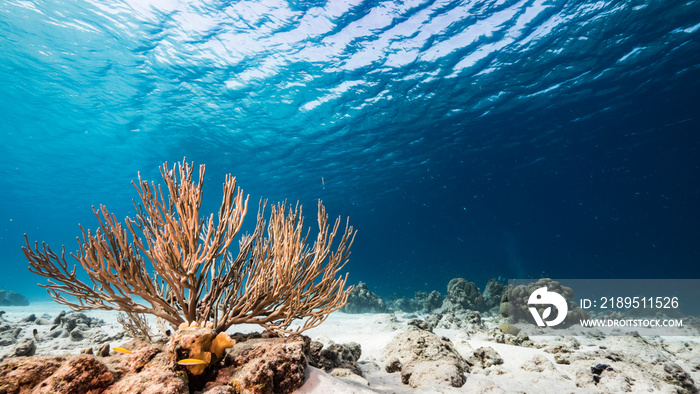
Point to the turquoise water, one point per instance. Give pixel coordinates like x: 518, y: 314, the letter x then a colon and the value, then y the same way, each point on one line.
x: 470, y: 139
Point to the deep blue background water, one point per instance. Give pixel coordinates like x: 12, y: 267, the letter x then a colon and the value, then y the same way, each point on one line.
x: 463, y: 139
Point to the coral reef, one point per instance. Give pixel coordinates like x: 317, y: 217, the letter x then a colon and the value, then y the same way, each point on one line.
x: 486, y: 354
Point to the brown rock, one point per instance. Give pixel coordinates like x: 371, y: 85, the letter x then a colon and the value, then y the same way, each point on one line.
x: 151, y: 381
x: 22, y: 374
x: 80, y: 375
x: 265, y: 365
x: 137, y: 360
x: 147, y: 370
x: 104, y: 350
x: 262, y: 365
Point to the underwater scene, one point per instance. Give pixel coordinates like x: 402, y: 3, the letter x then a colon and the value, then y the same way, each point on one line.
x: 349, y: 196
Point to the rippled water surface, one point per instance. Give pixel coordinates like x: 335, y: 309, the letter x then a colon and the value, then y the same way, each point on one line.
x: 463, y: 138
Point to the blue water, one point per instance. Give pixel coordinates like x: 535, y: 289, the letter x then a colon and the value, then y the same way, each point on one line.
x: 470, y: 139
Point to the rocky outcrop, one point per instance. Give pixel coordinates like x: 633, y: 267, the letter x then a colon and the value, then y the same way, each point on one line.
x: 468, y: 321
x: 8, y: 334
x: 36, y: 335
x: 485, y: 357
x: 493, y: 292
x: 22, y: 374
x: 421, y: 302
x: 463, y: 295
x: 24, y: 348
x: 78, y: 328
x: 514, y: 303
x: 79, y: 374
x: 424, y: 359
x: 257, y: 364
x: 361, y: 300
x: 11, y: 298
x: 264, y: 366
x: 336, y: 356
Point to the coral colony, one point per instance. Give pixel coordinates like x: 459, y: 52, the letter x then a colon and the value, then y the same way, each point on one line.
x: 172, y: 263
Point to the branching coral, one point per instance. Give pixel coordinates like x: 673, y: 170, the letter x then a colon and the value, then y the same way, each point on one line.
x: 176, y: 265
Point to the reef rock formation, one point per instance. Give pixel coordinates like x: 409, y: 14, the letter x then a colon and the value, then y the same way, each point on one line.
x: 484, y: 357
x: 468, y: 321
x: 11, y: 298
x: 493, y: 292
x: 422, y: 302
x: 264, y: 366
x: 336, y: 356
x: 257, y: 364
x: 361, y: 300
x: 424, y: 359
x: 31, y: 335
x: 8, y: 334
x: 463, y: 295
x: 514, y: 303
x: 22, y: 374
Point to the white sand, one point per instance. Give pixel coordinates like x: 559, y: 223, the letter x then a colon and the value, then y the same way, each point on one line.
x: 373, y: 332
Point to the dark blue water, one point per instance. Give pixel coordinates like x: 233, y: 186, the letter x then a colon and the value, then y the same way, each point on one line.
x: 473, y: 139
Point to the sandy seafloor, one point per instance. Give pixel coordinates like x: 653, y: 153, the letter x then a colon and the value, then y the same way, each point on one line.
x: 374, y: 331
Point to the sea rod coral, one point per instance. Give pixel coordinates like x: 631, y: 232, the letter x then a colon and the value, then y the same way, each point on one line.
x: 170, y: 262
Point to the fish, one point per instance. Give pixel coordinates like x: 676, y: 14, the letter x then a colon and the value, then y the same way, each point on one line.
x: 121, y: 350
x: 191, y: 361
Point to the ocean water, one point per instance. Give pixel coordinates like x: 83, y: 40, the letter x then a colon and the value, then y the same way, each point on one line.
x: 472, y: 139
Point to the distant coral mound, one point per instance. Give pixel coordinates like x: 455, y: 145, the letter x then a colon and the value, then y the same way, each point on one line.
x: 11, y: 298
x: 361, y: 300
x: 463, y: 295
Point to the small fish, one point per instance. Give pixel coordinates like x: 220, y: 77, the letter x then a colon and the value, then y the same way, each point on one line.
x: 191, y: 361
x: 121, y: 350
